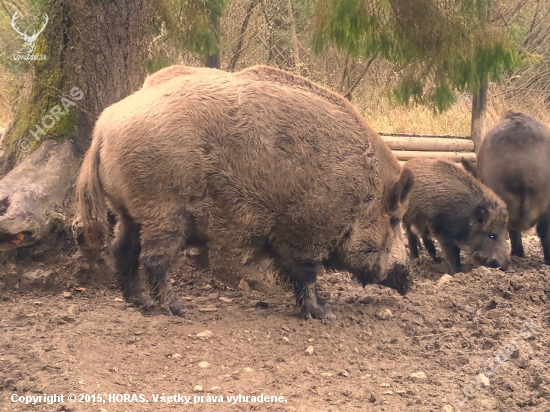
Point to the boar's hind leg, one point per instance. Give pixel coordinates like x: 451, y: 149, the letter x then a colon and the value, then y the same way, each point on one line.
x: 126, y: 249
x: 543, y: 230
x: 517, y: 244
x: 159, y: 246
x: 302, y: 276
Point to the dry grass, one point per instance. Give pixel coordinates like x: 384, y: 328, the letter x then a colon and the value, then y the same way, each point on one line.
x: 380, y: 113
x: 383, y: 116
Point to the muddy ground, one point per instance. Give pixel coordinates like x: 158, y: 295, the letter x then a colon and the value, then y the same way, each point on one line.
x: 382, y: 352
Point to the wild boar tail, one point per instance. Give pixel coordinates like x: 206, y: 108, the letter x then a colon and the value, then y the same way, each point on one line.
x: 90, y: 200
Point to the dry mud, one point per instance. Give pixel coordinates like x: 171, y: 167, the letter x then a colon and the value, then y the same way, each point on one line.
x: 382, y: 352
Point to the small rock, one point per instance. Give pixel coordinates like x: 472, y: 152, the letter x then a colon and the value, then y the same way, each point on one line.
x: 386, y: 315
x: 67, y: 295
x: 243, y: 285
x: 344, y: 373
x: 119, y: 300
x: 310, y: 350
x: 102, y: 410
x: 418, y: 375
x: 81, y: 382
x: 204, y: 365
x: 385, y: 385
x: 208, y: 309
x: 205, y: 334
x: 261, y: 304
x: 310, y: 371
x: 225, y: 300
x: 198, y: 388
x: 287, y: 340
x: 484, y: 379
x: 447, y: 408
x: 444, y: 279
x: 311, y: 340
x: 176, y: 356
x: 248, y: 370
x: 326, y: 374
x: 215, y: 389
x: 387, y: 393
x: 400, y: 392
x: 72, y: 310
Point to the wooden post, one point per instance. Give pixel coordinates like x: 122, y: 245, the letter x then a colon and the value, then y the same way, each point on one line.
x: 213, y: 61
x: 479, y: 113
x: 293, y: 31
x: 479, y: 100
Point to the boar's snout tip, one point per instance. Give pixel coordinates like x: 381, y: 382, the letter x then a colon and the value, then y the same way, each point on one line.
x: 399, y: 278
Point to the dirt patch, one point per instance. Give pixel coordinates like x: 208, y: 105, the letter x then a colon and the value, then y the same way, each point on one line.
x: 383, y: 352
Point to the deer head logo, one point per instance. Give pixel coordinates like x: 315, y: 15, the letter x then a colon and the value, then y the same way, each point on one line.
x: 29, y: 40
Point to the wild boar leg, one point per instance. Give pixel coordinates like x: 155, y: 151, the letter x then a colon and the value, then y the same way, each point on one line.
x: 302, y: 277
x: 158, y: 249
x: 543, y: 230
x: 452, y: 254
x: 430, y: 247
x: 126, y: 250
x: 517, y: 244
x: 413, y: 243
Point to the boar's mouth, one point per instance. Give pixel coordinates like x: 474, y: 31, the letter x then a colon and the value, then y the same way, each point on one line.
x: 399, y: 278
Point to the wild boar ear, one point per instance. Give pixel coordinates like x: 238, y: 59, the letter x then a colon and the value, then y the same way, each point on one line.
x: 469, y: 166
x: 481, y: 214
x: 401, y: 189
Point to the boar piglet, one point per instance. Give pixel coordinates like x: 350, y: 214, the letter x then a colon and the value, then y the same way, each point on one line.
x: 450, y: 205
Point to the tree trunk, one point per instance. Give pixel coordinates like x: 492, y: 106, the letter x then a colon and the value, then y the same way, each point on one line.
x: 213, y: 61
x: 95, y: 46
x: 479, y: 112
x: 95, y: 56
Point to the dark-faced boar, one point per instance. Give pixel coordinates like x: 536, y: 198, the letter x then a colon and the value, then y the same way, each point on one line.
x: 514, y: 161
x: 449, y: 204
x: 259, y: 159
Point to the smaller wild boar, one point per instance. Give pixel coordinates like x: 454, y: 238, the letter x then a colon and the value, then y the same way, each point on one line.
x: 449, y: 204
x: 514, y: 161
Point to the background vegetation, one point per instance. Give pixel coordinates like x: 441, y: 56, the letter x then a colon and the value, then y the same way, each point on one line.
x: 285, y: 34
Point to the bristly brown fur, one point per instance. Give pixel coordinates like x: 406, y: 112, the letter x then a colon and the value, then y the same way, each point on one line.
x: 513, y: 161
x: 262, y: 159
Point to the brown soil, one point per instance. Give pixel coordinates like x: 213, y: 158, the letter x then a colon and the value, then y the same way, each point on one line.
x: 93, y: 343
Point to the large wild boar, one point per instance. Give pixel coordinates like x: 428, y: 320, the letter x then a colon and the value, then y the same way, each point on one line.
x: 260, y: 159
x: 514, y: 161
x: 449, y: 204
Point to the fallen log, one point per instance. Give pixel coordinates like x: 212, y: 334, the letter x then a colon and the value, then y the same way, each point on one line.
x: 429, y: 144
x: 453, y: 156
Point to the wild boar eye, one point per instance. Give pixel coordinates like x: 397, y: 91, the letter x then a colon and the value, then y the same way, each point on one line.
x: 493, y: 236
x: 394, y: 222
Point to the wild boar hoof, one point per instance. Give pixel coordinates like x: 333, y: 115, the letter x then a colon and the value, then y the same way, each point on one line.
x: 139, y: 300
x: 315, y: 308
x: 176, y: 308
